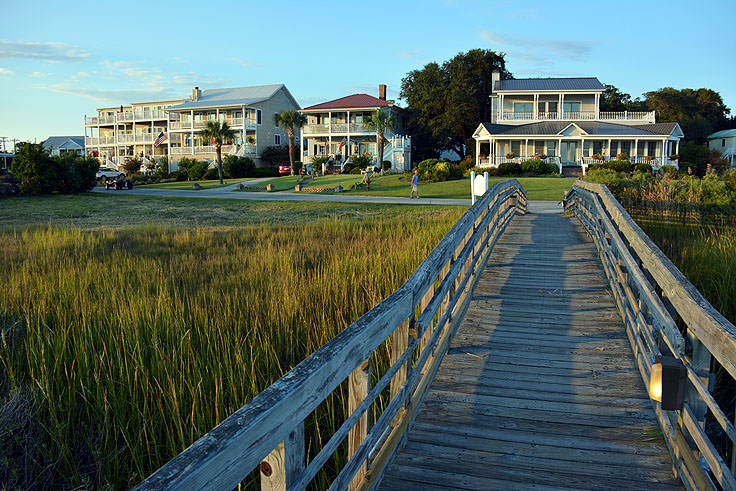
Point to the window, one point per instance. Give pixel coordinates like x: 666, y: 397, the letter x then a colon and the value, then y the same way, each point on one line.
x: 539, y: 147
x: 516, y: 148
x: 277, y: 139
x: 571, y: 107
x: 522, y: 107
x: 651, y: 149
x: 597, y: 148
x: 723, y: 142
x: 551, y: 148
x: 259, y: 116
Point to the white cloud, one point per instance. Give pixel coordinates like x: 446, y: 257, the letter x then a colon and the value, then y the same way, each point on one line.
x: 133, y: 72
x: 114, y: 96
x: 569, y: 48
x: 83, y: 74
x: 6, y: 71
x: 38, y: 74
x: 42, y: 51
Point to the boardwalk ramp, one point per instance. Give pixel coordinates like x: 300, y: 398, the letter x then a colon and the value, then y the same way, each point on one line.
x: 539, y: 388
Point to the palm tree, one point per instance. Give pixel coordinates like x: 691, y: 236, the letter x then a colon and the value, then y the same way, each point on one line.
x: 217, y: 133
x: 289, y: 120
x: 380, y: 122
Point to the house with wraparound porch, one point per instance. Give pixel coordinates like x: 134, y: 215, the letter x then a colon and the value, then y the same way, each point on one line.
x: 559, y: 120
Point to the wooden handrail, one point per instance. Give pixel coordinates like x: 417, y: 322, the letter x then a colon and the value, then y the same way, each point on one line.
x: 421, y: 315
x: 652, y: 296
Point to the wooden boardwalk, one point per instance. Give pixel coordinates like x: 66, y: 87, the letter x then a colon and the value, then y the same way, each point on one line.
x: 539, y: 388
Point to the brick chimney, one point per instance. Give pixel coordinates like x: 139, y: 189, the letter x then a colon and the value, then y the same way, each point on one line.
x: 382, y: 92
x: 196, y: 93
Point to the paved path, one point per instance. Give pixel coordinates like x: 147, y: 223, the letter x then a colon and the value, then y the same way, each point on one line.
x: 228, y: 192
x: 539, y: 388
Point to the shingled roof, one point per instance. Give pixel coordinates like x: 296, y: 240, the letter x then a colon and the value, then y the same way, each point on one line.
x: 351, y: 101
x: 580, y: 83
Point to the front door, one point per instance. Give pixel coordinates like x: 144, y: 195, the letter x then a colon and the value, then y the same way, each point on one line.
x: 568, y: 152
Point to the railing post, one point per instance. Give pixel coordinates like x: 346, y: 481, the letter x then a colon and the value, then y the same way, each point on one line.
x: 283, y: 465
x: 399, y: 343
x: 359, y: 382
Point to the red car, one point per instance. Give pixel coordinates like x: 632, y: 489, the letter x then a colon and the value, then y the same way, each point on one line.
x: 284, y: 169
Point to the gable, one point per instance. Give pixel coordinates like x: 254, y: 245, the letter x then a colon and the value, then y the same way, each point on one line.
x: 572, y: 130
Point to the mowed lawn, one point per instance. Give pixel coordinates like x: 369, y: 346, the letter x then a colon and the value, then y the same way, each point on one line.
x: 537, y: 188
x: 215, y: 183
x: 284, y: 183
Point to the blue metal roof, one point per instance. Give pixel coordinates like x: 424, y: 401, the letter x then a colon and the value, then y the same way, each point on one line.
x: 236, y: 96
x: 581, y: 83
x: 589, y: 127
x: 723, y: 134
x: 64, y: 142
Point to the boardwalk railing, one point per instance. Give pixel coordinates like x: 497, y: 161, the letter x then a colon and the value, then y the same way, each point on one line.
x: 419, y: 318
x: 665, y: 314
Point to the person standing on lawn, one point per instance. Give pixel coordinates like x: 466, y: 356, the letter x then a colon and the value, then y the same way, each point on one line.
x: 414, y: 185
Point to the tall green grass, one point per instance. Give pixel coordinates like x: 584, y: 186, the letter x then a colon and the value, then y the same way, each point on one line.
x: 706, y: 254
x: 119, y: 348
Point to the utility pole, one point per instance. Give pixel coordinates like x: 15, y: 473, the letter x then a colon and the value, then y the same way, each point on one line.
x: 3, y: 139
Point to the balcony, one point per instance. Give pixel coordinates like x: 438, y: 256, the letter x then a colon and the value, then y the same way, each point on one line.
x: 317, y: 129
x: 624, y: 117
x: 210, y: 149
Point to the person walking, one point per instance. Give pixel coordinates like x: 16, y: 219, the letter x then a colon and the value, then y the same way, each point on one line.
x: 414, y: 185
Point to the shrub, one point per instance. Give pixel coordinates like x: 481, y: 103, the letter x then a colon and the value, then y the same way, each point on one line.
x: 185, y: 163
x: 197, y: 171
x: 297, y: 166
x: 386, y: 165
x: 534, y: 167
x: 643, y: 168
x: 467, y: 163
x: 688, y: 168
x: 162, y: 167
x: 132, y: 165
x: 318, y: 160
x: 177, y: 175
x: 361, y: 161
x: 509, y: 169
x: 614, y: 165
x: 235, y: 167
x: 598, y: 157
x: 266, y: 172
x: 355, y: 170
x: 39, y: 173
x: 347, y: 168
x: 622, y: 156
x: 212, y: 174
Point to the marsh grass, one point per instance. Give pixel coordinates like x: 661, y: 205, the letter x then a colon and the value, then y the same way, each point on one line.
x: 126, y: 345
x: 706, y: 254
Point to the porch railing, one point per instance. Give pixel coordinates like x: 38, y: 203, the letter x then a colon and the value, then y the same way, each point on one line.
x: 639, y: 116
x: 419, y: 317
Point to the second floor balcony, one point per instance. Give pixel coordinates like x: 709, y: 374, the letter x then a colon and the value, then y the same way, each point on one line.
x: 631, y: 117
x: 237, y: 123
x: 341, y: 128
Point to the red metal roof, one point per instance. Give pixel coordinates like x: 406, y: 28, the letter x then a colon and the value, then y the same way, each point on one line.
x: 355, y: 100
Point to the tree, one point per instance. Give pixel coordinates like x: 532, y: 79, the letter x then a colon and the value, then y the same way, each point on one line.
x: 39, y: 173
x: 132, y: 165
x: 289, y: 120
x: 380, y: 122
x: 613, y: 99
x: 446, y: 102
x: 275, y: 154
x: 700, y: 112
x: 218, y: 133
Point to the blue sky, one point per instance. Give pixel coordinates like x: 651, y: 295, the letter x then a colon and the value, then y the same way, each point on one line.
x: 62, y: 60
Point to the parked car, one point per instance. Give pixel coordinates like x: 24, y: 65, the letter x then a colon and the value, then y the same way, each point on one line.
x: 109, y: 173
x: 284, y: 168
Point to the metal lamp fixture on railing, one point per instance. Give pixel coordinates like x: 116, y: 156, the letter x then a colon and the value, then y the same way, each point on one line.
x: 667, y: 382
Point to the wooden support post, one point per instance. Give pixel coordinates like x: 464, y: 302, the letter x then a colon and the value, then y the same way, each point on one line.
x: 359, y: 382
x: 428, y: 333
x: 285, y: 463
x: 399, y: 343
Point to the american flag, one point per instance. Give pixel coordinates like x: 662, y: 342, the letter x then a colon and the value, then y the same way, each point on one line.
x: 161, y: 138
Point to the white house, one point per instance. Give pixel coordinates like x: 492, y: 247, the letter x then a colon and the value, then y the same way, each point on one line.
x: 560, y: 119
x: 58, y: 145
x: 336, y: 128
x: 725, y: 142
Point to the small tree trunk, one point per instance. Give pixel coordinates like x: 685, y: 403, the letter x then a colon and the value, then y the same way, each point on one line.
x: 380, y: 151
x: 218, y: 150
x: 290, y: 131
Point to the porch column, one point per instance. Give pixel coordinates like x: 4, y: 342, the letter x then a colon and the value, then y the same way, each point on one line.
x: 526, y: 149
x: 329, y: 144
x: 348, y: 150
x: 597, y: 107
x: 609, y: 149
x: 664, y: 150
x: 168, y: 141
x: 536, y: 107
x: 191, y: 135
x: 636, y: 149
x: 677, y: 147
x: 582, y: 149
x: 559, y: 149
x: 477, y: 153
x: 560, y: 112
x: 329, y: 122
x: 501, y: 106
